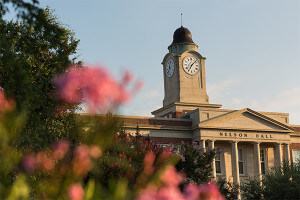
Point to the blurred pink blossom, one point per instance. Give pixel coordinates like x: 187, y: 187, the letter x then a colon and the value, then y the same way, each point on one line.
x: 169, y: 193
x: 94, y: 86
x: 209, y: 191
x: 191, y: 192
x: 29, y: 162
x: 127, y: 77
x: 170, y: 189
x: 5, y: 103
x: 75, y: 192
x: 95, y: 151
x: 81, y: 161
x: 148, y: 163
x: 44, y: 161
x: 171, y: 177
x: 149, y: 193
x: 60, y: 149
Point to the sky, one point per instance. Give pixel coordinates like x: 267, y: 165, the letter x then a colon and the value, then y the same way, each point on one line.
x: 252, y: 47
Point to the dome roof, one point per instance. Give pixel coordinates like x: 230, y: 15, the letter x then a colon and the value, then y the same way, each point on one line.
x: 182, y: 35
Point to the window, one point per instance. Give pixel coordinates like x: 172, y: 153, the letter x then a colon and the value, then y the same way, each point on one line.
x: 218, y: 163
x: 296, y: 155
x: 241, y: 161
x: 205, y: 116
x: 262, y: 161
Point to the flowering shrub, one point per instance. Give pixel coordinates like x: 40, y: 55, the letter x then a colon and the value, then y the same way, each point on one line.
x: 195, y: 162
x: 104, y: 163
x: 124, y: 156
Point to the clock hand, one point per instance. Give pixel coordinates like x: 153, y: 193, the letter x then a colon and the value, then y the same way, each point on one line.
x: 192, y: 65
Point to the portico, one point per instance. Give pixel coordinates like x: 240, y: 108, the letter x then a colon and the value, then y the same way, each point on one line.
x: 245, y: 150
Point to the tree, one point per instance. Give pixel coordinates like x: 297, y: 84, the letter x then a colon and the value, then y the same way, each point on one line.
x: 228, y: 189
x: 31, y: 53
x: 195, y: 162
x: 279, y: 183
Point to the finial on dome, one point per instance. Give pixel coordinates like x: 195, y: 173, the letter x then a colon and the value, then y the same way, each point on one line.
x: 181, y: 19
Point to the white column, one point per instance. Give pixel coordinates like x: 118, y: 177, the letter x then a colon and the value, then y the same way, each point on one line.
x: 213, y: 164
x: 202, y: 144
x: 287, y: 152
x: 235, y: 167
x: 278, y: 154
x: 257, y: 160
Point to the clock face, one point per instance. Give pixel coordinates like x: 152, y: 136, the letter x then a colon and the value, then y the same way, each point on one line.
x: 170, y: 67
x: 191, y: 65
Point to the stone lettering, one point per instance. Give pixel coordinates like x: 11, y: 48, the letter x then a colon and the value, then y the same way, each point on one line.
x: 260, y: 136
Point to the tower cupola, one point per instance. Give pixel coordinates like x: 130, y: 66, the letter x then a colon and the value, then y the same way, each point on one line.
x: 182, y: 35
x: 182, y: 41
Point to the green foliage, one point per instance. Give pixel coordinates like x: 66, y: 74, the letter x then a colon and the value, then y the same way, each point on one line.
x: 9, y: 157
x: 195, y: 163
x: 279, y: 183
x: 251, y: 189
x: 30, y: 56
x: 286, y: 180
x: 124, y: 156
x: 228, y: 189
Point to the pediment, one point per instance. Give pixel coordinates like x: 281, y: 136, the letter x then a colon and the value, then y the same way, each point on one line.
x: 246, y: 119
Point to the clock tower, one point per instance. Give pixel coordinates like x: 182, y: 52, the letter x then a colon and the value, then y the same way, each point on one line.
x: 184, y: 77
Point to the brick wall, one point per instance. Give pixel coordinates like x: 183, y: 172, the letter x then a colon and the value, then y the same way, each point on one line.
x: 293, y: 146
x: 135, y: 121
x: 167, y: 140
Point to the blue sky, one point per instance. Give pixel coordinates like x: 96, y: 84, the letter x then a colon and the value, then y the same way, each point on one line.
x: 252, y: 47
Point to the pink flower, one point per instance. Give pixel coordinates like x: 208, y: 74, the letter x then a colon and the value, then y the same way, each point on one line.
x: 5, y: 104
x: 209, y: 191
x: 75, y: 192
x: 164, y: 193
x: 95, y: 151
x: 148, y: 163
x: 69, y: 85
x: 170, y: 176
x: 150, y: 193
x: 29, y: 163
x: 44, y: 161
x: 60, y: 149
x: 127, y: 77
x: 191, y: 192
x: 169, y: 193
x: 92, y: 85
x: 81, y: 161
x: 137, y: 87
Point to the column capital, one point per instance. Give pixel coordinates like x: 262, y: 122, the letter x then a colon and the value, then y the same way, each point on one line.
x: 255, y: 142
